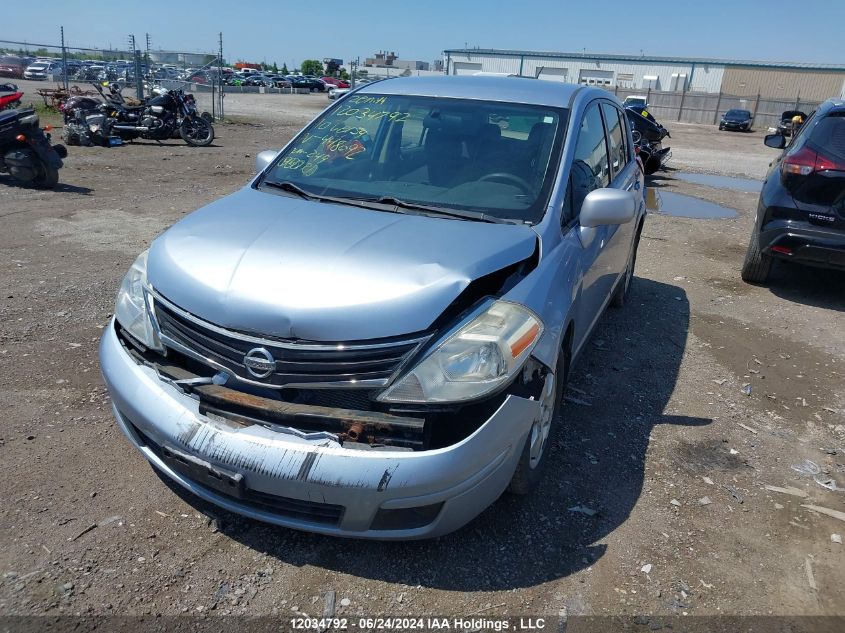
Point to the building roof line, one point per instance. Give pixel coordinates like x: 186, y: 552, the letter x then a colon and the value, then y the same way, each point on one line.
x: 713, y: 61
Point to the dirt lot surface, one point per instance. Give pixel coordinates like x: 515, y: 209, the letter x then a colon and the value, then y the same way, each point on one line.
x: 660, y: 443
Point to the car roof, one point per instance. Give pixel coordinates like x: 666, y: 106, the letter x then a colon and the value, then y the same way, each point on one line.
x: 832, y: 105
x: 506, y: 89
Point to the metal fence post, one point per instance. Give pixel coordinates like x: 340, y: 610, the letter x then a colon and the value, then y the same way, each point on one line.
x: 139, y: 81
x: 718, y: 104
x: 756, y: 107
x: 220, y: 75
x: 64, y: 60
x: 681, y: 107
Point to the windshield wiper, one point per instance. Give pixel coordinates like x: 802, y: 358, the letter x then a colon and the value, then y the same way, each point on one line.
x: 287, y: 185
x: 385, y: 202
x: 451, y: 213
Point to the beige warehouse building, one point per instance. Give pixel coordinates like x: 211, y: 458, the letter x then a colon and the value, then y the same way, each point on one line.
x: 771, y: 80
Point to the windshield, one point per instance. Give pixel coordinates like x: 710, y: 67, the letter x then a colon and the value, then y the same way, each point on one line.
x: 496, y: 159
x: 738, y: 113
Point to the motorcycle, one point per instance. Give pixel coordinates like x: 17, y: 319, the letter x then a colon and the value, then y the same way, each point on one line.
x: 648, y: 137
x: 26, y: 152
x: 12, y: 97
x: 167, y: 114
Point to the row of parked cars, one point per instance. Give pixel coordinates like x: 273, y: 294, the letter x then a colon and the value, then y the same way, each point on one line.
x: 41, y: 68
x: 276, y: 80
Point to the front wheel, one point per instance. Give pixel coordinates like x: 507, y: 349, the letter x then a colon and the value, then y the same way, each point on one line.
x: 196, y: 132
x: 532, y: 462
x: 623, y: 288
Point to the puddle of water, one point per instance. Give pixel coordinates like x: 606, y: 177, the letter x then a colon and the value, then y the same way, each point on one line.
x: 679, y: 205
x: 721, y: 182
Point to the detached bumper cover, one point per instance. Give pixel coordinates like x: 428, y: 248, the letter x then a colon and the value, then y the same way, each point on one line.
x: 807, y: 243
x: 314, y: 476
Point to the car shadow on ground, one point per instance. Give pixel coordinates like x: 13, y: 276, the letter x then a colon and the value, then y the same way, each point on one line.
x: 817, y: 287
x: 619, y: 390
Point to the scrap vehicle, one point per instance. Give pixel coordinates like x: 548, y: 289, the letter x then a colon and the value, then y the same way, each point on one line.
x: 801, y: 211
x: 26, y: 151
x: 648, y: 137
x: 10, y: 96
x: 788, y: 125
x: 372, y: 338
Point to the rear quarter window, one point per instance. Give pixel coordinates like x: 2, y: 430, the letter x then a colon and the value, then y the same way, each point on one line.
x: 829, y: 135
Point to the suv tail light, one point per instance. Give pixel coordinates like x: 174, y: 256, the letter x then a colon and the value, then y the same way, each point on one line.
x: 807, y: 161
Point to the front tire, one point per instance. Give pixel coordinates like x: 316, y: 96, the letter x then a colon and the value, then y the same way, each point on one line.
x: 532, y: 462
x: 757, y: 264
x: 623, y: 288
x: 196, y: 132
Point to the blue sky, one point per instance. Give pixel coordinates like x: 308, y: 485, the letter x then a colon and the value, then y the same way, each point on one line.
x: 287, y: 32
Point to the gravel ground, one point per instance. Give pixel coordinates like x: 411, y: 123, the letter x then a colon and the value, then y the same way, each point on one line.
x: 658, y: 440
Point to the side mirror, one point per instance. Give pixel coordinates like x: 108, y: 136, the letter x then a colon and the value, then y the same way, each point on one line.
x: 607, y: 206
x: 264, y: 158
x: 775, y: 141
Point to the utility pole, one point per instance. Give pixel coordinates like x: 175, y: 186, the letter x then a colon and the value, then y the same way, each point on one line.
x: 147, y: 52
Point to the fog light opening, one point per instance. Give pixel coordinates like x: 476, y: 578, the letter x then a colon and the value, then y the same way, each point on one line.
x: 406, y: 518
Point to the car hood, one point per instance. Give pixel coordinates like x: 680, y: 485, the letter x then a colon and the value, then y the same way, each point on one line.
x: 279, y: 266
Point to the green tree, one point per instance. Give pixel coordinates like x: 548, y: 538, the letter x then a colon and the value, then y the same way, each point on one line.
x: 343, y: 74
x: 275, y: 68
x: 285, y: 70
x: 312, y: 67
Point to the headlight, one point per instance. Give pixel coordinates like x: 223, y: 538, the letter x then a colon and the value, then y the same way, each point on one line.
x: 480, y: 357
x: 130, y: 309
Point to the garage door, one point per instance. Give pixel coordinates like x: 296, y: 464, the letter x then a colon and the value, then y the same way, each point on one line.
x: 465, y: 68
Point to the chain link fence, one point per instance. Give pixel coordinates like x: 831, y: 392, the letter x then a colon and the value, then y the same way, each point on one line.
x: 68, y: 70
x: 707, y: 108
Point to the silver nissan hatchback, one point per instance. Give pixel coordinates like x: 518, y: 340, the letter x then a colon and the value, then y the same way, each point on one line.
x: 372, y: 338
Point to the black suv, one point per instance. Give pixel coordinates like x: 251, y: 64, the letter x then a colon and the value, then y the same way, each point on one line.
x: 801, y: 213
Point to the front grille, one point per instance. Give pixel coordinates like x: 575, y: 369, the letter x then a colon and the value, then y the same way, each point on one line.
x: 322, y: 513
x: 297, y: 364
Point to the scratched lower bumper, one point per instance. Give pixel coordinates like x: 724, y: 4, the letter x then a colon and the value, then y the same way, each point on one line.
x: 465, y: 477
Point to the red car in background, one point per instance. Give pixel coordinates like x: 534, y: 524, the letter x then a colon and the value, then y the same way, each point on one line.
x: 11, y: 66
x: 337, y: 83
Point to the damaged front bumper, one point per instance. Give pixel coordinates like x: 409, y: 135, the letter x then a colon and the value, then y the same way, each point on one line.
x: 310, y: 481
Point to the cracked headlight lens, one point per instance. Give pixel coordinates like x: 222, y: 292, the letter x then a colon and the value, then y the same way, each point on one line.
x: 130, y: 309
x: 479, y: 358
